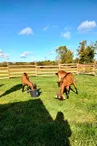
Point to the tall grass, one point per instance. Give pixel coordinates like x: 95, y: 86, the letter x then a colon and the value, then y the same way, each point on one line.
x: 45, y: 120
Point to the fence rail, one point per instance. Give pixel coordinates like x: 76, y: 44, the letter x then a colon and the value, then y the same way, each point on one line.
x: 34, y: 70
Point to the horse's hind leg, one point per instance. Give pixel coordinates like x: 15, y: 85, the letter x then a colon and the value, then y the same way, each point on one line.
x: 23, y: 88
x: 75, y: 88
x: 67, y: 91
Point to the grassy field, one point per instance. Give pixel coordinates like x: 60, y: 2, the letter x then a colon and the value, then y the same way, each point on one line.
x: 45, y: 120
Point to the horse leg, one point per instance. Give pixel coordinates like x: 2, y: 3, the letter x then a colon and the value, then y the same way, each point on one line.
x: 67, y: 91
x: 75, y: 88
x: 23, y: 88
x: 62, y: 91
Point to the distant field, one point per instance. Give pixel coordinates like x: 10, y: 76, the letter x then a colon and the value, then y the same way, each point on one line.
x: 45, y: 120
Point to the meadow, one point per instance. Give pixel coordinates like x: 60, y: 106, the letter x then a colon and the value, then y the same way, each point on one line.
x: 45, y: 120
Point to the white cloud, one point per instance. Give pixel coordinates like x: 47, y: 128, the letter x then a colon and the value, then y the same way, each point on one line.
x: 26, y: 31
x: 3, y: 55
x: 25, y: 54
x: 51, y: 53
x: 66, y: 35
x: 86, y: 26
x: 45, y: 28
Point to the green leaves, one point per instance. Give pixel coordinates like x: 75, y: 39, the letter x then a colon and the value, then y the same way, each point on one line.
x: 86, y: 52
x: 64, y: 54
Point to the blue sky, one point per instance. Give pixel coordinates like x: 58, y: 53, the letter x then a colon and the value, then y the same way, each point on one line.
x: 32, y: 30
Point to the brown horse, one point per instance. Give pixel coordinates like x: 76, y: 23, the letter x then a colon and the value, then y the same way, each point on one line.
x: 61, y: 74
x: 26, y: 82
x: 65, y: 84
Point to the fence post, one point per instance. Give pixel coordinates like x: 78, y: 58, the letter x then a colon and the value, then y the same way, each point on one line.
x: 59, y: 66
x: 94, y: 68
x: 8, y: 69
x: 36, y: 68
x: 78, y: 68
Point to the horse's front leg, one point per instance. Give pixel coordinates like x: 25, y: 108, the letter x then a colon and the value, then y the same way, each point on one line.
x: 62, y: 91
x: 67, y: 91
x: 23, y: 88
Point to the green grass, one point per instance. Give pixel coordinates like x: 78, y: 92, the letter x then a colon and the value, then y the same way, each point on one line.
x: 45, y: 120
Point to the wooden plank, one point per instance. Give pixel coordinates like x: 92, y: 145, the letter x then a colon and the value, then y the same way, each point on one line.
x: 4, y: 74
x: 56, y: 66
x: 69, y: 64
x: 47, y: 69
x: 3, y: 71
x: 21, y: 65
x: 3, y: 68
x: 20, y: 73
x: 46, y: 75
x: 46, y: 72
x: 21, y: 69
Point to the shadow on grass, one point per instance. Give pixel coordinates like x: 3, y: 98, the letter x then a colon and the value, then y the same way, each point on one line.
x: 1, y: 85
x: 13, y: 89
x: 30, y: 124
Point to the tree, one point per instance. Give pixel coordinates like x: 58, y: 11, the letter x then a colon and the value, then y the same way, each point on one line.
x: 86, y: 52
x: 64, y: 54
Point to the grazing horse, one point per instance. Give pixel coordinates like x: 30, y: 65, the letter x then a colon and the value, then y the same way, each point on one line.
x: 61, y: 74
x: 26, y: 82
x: 65, y: 84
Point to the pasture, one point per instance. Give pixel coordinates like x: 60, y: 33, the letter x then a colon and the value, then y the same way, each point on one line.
x: 45, y: 120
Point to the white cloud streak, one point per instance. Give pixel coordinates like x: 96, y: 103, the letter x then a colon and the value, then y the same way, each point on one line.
x: 25, y: 54
x: 3, y: 55
x: 86, y: 26
x: 66, y: 35
x: 51, y: 53
x: 45, y: 28
x: 26, y: 31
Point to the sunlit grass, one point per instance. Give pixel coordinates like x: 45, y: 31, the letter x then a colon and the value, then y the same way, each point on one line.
x: 28, y: 121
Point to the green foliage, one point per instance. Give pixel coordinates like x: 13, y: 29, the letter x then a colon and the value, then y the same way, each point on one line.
x: 46, y: 62
x: 45, y: 120
x: 3, y: 64
x: 40, y: 63
x: 86, y: 52
x: 64, y: 54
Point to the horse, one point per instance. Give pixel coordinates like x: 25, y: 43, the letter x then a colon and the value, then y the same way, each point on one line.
x: 65, y: 85
x: 26, y: 82
x: 61, y: 74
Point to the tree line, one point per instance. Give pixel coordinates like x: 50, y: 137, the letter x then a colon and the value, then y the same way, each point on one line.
x: 85, y: 54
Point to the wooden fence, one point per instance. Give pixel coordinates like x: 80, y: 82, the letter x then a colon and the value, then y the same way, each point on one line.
x: 87, y: 69
x: 34, y: 70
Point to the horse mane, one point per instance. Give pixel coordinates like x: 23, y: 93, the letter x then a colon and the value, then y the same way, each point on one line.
x: 66, y: 75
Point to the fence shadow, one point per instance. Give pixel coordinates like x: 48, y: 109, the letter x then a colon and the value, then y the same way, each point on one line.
x: 13, y: 89
x: 30, y: 124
